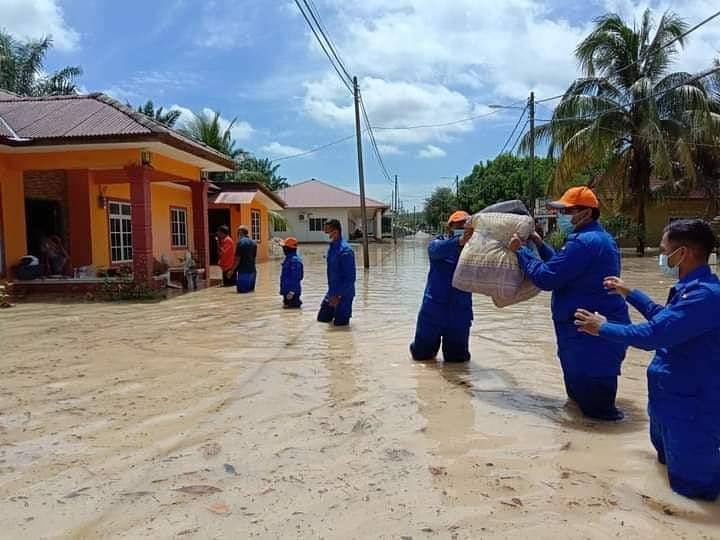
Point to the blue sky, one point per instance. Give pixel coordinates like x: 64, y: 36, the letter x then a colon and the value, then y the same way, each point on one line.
x: 419, y: 62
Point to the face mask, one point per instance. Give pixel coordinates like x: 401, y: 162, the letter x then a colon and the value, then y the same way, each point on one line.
x: 565, y: 224
x: 666, y: 269
x: 457, y: 233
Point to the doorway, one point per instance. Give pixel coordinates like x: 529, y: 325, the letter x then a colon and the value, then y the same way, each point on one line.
x: 43, y: 218
x: 216, y: 218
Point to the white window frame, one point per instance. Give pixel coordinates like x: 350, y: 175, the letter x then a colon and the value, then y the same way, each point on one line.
x: 124, y: 237
x: 322, y: 221
x: 182, y: 228
x: 255, y: 225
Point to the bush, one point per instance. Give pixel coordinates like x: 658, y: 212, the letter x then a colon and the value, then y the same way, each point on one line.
x: 622, y: 227
x: 118, y: 291
x: 556, y: 239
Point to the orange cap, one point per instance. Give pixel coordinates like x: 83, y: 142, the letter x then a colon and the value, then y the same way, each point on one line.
x: 577, y: 196
x: 290, y: 242
x: 458, y: 216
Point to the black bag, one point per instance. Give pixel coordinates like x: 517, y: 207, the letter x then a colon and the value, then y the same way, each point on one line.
x: 507, y: 207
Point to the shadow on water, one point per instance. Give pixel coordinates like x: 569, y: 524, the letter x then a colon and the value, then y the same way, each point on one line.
x: 499, y: 388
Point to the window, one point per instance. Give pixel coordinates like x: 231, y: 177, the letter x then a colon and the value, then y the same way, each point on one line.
x: 317, y: 224
x: 178, y: 227
x: 120, y: 232
x: 255, y: 225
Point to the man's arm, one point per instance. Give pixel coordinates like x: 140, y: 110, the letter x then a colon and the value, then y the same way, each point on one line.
x: 643, y: 303
x: 694, y: 314
x: 440, y: 249
x: 565, y: 266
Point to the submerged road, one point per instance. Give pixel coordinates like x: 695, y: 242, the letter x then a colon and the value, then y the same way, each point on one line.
x: 217, y: 415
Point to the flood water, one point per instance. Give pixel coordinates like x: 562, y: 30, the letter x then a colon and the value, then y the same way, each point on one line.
x: 218, y: 415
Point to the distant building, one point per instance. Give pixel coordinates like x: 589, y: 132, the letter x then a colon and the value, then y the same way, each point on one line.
x: 310, y: 204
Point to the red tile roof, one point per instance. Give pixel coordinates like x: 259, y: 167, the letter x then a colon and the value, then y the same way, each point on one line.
x: 92, y: 118
x: 316, y: 194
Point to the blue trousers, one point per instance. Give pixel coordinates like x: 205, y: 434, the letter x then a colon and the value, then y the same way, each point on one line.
x: 691, y: 451
x: 433, y: 331
x: 246, y: 282
x: 338, y: 315
x: 594, y: 395
x: 294, y: 303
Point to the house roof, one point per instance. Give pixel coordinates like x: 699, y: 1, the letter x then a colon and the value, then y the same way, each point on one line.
x: 244, y: 193
x: 88, y: 119
x: 316, y: 194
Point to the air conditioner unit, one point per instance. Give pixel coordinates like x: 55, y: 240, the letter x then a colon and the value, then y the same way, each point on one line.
x: 301, y: 217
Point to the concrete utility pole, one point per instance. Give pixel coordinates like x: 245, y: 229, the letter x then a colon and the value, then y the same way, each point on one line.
x: 361, y: 173
x: 457, y: 190
x: 531, y: 177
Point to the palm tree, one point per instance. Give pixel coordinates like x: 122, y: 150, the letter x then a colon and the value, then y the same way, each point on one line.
x: 630, y: 112
x: 21, y: 69
x: 252, y: 169
x: 168, y: 118
x: 206, y: 128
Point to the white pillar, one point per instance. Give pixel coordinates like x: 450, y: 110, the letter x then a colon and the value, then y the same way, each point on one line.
x: 378, y: 224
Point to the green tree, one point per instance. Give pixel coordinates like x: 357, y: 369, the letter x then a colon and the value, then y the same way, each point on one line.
x: 501, y: 179
x: 207, y: 128
x: 21, y: 69
x: 252, y: 169
x: 168, y: 118
x: 629, y: 110
x: 439, y: 206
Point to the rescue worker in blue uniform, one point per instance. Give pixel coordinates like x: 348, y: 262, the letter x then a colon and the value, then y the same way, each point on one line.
x: 336, y: 307
x: 446, y: 313
x: 292, y: 274
x: 684, y: 376
x: 575, y: 276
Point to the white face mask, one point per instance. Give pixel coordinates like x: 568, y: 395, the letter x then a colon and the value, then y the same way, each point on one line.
x: 665, y: 268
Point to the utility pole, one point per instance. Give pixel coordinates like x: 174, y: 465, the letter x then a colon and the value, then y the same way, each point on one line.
x: 397, y: 197
x: 531, y: 177
x: 414, y: 219
x: 457, y: 190
x: 361, y: 173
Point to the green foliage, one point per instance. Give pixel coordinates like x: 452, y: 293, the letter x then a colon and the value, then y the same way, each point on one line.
x: 252, y: 169
x: 630, y: 114
x: 556, y: 239
x: 168, y: 118
x: 501, y: 179
x: 621, y: 226
x: 21, y: 69
x: 207, y: 128
x: 439, y: 206
x: 118, y: 291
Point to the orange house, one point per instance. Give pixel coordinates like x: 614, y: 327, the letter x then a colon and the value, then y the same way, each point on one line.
x: 118, y: 188
x: 243, y: 203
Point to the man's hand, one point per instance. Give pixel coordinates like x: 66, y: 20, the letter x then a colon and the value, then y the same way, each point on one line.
x: 466, y: 236
x: 588, y: 322
x: 515, y: 244
x: 290, y: 295
x: 615, y: 285
x: 229, y: 274
x: 536, y: 238
x: 334, y: 301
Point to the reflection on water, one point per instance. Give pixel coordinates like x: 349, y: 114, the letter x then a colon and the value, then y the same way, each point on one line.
x: 331, y: 431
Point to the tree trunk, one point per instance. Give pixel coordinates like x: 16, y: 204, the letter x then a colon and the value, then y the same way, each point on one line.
x: 641, y: 191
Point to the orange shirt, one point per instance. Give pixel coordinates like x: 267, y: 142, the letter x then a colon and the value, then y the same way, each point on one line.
x: 227, y: 253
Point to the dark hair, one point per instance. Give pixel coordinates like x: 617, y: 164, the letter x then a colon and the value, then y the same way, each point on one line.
x: 695, y: 233
x: 334, y: 224
x: 224, y: 229
x: 595, y: 211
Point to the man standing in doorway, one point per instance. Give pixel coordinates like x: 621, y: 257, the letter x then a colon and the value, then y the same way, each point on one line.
x: 336, y: 307
x: 244, y: 265
x: 226, y: 254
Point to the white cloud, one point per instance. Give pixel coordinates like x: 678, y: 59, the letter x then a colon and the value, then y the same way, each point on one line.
x: 276, y: 150
x: 225, y: 24
x: 241, y: 131
x: 432, y: 152
x: 389, y: 150
x: 38, y: 18
x: 155, y: 85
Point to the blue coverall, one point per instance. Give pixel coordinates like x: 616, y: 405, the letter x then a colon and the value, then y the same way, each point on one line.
x: 246, y: 251
x: 575, y: 276
x: 290, y: 277
x: 683, y: 379
x: 341, y: 282
x: 446, y: 312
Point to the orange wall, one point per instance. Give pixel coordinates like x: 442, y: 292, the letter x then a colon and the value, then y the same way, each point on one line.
x: 12, y: 191
x: 163, y: 197
x: 240, y: 215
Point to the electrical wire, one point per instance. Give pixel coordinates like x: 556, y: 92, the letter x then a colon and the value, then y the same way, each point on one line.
x: 522, y: 115
x: 313, y: 150
x: 315, y: 14
x: 444, y: 124
x: 373, y: 141
x: 522, y: 132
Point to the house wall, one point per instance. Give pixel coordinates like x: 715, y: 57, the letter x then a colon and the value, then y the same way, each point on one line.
x: 163, y: 197
x: 659, y: 215
x: 241, y: 214
x: 301, y: 229
x: 12, y: 206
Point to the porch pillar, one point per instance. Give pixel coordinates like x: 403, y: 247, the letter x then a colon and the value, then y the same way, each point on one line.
x: 201, y: 232
x: 141, y: 216
x: 378, y: 224
x: 12, y: 206
x: 79, y: 205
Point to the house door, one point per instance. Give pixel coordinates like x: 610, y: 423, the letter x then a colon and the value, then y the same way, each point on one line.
x: 42, y: 219
x: 216, y: 218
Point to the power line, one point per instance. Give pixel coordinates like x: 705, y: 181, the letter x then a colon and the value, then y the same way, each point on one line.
x: 322, y: 45
x: 522, y: 131
x: 316, y: 17
x: 373, y: 142
x: 317, y: 149
x: 444, y: 124
x: 522, y: 114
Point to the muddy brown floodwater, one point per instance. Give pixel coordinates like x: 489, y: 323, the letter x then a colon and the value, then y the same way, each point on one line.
x: 217, y: 415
